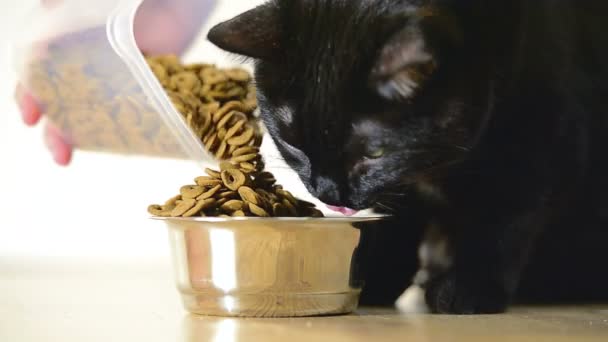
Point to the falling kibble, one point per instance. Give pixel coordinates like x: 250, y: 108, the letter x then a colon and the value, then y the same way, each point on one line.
x: 218, y: 105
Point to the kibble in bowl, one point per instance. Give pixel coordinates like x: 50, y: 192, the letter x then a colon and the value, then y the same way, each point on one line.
x: 234, y: 191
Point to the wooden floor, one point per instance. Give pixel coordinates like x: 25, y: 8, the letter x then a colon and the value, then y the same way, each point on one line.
x: 89, y: 301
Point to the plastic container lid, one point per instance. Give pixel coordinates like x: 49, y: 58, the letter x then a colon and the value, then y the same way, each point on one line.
x: 80, y: 61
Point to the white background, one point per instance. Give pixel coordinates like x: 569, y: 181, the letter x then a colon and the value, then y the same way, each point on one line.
x: 96, y: 207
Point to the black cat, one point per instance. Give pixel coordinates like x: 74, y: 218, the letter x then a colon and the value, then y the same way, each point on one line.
x: 484, y: 121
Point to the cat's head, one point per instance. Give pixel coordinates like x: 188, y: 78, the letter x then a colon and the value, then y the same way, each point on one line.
x: 362, y: 97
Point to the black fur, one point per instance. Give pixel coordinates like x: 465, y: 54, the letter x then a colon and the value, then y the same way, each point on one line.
x: 508, y: 121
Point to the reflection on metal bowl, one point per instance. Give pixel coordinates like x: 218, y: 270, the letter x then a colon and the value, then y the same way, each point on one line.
x: 268, y: 267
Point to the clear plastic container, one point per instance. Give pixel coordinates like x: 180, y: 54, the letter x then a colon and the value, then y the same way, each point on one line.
x: 80, y: 61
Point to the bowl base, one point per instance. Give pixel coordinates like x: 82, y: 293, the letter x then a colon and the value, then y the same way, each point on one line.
x: 271, y: 305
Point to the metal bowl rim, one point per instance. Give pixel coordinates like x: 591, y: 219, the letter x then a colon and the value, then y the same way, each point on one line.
x: 336, y: 219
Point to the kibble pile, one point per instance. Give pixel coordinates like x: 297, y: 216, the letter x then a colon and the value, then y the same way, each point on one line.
x: 218, y: 105
x: 233, y: 192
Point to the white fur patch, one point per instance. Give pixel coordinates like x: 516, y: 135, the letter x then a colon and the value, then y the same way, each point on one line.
x: 368, y: 127
x: 434, y: 255
x: 412, y: 301
x: 285, y: 114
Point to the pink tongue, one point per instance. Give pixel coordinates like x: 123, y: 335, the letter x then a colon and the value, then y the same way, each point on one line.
x: 343, y: 210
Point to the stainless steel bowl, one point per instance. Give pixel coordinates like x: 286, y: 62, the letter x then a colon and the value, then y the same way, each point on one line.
x: 268, y: 267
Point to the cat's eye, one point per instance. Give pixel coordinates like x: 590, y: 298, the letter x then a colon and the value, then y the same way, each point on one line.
x: 375, y: 153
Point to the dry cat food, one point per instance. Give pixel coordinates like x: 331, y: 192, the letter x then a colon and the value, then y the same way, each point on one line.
x: 235, y: 191
x: 90, y: 95
x: 218, y: 105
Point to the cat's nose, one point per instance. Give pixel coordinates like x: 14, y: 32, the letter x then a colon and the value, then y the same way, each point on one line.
x: 326, y: 190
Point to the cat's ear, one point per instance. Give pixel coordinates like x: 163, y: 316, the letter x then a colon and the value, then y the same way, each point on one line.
x: 410, y: 56
x: 402, y: 65
x: 254, y: 33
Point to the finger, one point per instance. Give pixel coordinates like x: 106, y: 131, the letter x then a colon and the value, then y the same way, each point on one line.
x: 30, y: 111
x: 60, y: 148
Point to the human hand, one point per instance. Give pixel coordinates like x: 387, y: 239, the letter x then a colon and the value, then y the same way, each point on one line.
x: 161, y: 27
x: 31, y: 112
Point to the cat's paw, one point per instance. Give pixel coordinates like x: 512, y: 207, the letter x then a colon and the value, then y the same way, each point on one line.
x: 453, y: 293
x: 412, y: 301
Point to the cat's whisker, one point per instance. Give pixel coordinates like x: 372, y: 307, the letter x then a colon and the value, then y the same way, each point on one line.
x: 393, y: 205
x: 394, y: 194
x: 463, y: 148
x: 385, y: 207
